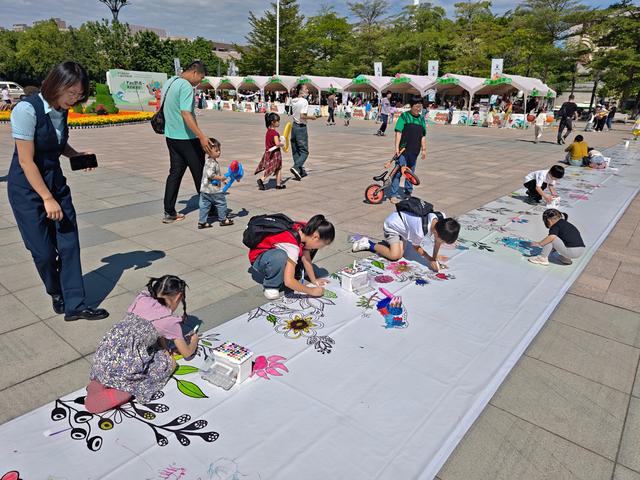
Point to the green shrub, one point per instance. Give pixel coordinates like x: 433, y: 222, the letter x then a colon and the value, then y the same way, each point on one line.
x: 78, y: 108
x: 103, y: 98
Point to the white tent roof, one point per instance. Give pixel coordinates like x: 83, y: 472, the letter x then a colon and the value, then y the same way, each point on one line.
x: 405, y: 83
x: 253, y: 82
x: 280, y: 83
x: 453, y: 84
x: 213, y: 81
x: 324, y: 84
x: 366, y: 83
x: 230, y: 82
x: 505, y: 83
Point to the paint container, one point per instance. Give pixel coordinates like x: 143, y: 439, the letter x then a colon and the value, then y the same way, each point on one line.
x: 626, y: 144
x: 355, y: 280
x: 232, y: 365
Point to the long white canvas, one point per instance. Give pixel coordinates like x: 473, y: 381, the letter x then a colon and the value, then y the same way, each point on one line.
x: 339, y: 392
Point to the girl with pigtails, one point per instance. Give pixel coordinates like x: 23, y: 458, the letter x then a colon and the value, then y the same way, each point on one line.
x: 133, y: 358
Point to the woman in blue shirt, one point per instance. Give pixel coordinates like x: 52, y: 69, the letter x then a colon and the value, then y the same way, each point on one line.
x: 38, y: 192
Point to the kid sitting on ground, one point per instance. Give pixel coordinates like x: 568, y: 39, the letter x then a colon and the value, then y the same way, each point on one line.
x: 536, y: 182
x: 577, y: 151
x: 563, y: 237
x: 133, y: 358
x: 402, y: 226
x: 211, y: 189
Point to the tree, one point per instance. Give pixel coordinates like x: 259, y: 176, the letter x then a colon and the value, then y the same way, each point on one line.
x: 151, y: 54
x: 40, y: 48
x: 367, y: 45
x: 617, y: 57
x: 417, y: 34
x: 113, y: 44
x: 326, y: 35
x: 259, y: 56
x: 115, y: 6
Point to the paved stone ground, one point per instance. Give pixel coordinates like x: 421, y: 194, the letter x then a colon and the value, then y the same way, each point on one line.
x: 570, y: 409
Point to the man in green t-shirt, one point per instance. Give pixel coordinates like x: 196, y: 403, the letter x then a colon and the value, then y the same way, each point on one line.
x: 411, y: 131
x: 187, y: 144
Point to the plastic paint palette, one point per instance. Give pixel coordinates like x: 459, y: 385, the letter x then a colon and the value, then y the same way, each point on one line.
x: 232, y: 364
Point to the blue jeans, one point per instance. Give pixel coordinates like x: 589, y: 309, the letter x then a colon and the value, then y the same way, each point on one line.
x: 208, y: 199
x: 299, y: 145
x: 384, y: 119
x: 270, y: 265
x: 406, y: 160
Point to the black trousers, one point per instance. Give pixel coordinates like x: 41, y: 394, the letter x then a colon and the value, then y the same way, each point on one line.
x: 531, y: 190
x: 565, y: 123
x: 182, y: 154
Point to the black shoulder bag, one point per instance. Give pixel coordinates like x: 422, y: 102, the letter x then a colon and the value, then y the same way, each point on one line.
x: 157, y: 121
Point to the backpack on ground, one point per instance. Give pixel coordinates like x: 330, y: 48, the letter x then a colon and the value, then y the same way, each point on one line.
x: 262, y: 226
x: 418, y: 208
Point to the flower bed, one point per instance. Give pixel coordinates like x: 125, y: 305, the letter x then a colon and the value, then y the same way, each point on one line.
x: 82, y: 120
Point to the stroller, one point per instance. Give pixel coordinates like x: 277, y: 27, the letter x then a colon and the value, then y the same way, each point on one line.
x: 374, y: 193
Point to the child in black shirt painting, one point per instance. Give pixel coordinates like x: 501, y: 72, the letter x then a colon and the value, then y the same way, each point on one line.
x: 563, y: 237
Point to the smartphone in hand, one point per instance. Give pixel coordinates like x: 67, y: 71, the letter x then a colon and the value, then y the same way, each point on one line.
x: 82, y: 162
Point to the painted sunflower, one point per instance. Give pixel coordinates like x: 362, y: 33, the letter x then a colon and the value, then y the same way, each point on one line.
x: 298, y: 326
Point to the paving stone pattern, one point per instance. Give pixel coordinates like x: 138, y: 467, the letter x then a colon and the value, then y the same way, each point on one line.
x: 570, y: 409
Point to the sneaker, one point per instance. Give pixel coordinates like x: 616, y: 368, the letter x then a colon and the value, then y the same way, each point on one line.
x: 280, y: 187
x: 395, y: 200
x: 303, y: 172
x: 564, y: 260
x: 272, y: 293
x: 296, y: 174
x: 360, y: 245
x: 203, y: 225
x: 539, y: 260
x: 260, y: 184
x: 176, y: 217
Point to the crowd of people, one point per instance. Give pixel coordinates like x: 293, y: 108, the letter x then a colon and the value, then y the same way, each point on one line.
x: 134, y: 359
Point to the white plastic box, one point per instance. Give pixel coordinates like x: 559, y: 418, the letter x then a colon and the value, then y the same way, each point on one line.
x: 236, y: 358
x: 355, y: 280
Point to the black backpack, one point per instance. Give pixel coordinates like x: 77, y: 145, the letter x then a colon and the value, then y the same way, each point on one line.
x: 418, y: 208
x: 262, y: 226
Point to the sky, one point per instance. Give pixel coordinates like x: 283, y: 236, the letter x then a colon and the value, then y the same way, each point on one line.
x: 220, y: 20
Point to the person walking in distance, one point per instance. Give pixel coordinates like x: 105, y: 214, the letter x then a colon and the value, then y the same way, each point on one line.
x: 187, y: 144
x: 331, y: 105
x: 385, y: 110
x: 299, y: 134
x: 568, y: 114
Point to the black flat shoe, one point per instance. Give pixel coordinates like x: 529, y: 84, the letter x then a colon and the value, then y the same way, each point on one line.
x: 87, y: 314
x: 280, y: 187
x: 58, y: 304
x: 260, y: 184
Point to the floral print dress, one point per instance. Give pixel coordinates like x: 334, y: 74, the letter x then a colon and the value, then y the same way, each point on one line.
x: 129, y: 357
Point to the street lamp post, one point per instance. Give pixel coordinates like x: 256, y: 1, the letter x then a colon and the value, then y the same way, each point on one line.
x: 277, y: 37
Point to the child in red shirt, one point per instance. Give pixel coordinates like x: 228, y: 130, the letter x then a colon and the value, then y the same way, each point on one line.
x: 271, y: 162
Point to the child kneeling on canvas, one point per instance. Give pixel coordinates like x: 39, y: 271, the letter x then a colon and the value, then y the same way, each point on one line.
x: 401, y: 226
x: 133, y: 358
x: 537, y: 182
x: 563, y: 237
x: 276, y: 257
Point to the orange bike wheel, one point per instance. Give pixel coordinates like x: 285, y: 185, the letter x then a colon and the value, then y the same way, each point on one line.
x: 408, y: 174
x: 374, y: 194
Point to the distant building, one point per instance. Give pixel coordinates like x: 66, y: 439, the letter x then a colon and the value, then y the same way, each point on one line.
x: 19, y: 27
x: 162, y: 33
x: 225, y: 51
x: 61, y: 24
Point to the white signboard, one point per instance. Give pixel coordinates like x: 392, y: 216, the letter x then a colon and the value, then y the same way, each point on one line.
x: 496, y: 67
x: 432, y: 68
x: 377, y: 69
x: 134, y: 90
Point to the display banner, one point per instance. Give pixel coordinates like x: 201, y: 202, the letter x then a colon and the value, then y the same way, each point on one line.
x: 133, y: 90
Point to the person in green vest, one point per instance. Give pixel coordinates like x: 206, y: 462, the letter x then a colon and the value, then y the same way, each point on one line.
x: 410, y: 141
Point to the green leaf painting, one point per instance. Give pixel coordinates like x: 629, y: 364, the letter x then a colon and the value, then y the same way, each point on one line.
x: 190, y: 389
x: 378, y: 264
x: 272, y: 318
x: 185, y: 370
x: 329, y: 294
